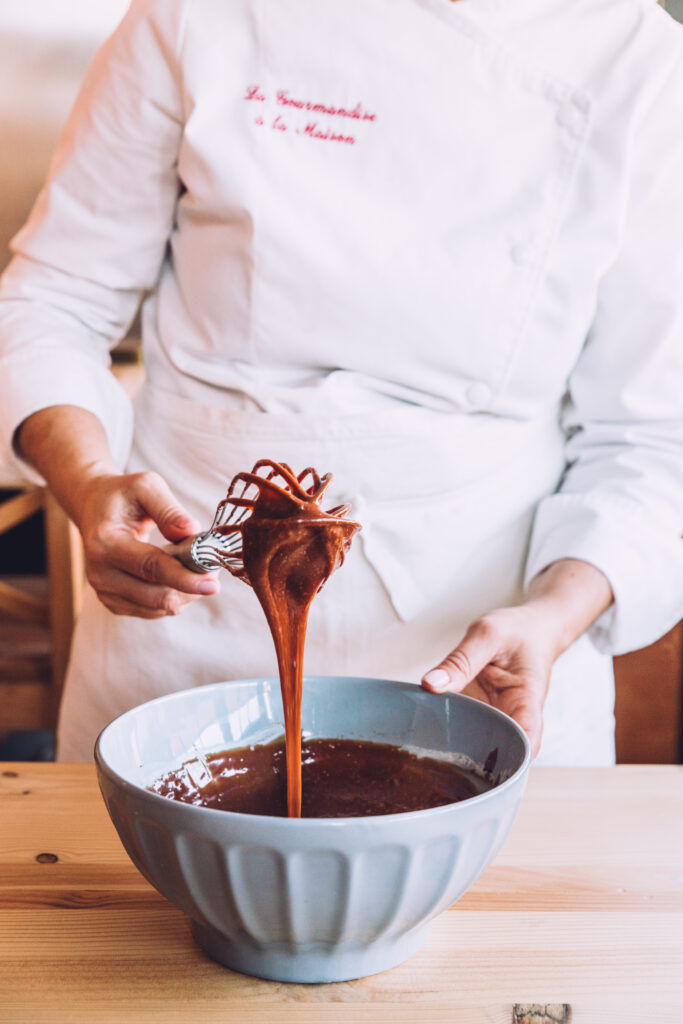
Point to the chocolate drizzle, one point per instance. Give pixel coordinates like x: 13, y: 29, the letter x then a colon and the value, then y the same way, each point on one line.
x: 289, y: 548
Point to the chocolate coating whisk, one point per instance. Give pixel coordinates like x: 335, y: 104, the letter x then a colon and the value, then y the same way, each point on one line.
x: 220, y: 547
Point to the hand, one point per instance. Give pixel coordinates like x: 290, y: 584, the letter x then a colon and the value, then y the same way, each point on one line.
x: 504, y: 661
x: 506, y: 656
x: 115, y: 514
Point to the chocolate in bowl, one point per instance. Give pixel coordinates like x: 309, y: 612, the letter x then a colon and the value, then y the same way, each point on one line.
x: 342, y: 778
x: 309, y: 899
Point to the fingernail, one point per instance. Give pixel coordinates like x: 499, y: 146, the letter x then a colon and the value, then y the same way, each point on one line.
x: 437, y: 678
x: 208, y: 587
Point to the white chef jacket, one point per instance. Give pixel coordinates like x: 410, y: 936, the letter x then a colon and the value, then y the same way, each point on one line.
x: 469, y: 210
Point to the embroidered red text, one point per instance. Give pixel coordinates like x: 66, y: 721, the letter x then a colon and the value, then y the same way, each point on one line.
x: 358, y: 113
x: 317, y: 129
x: 315, y: 132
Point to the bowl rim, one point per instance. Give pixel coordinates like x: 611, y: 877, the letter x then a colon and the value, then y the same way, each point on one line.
x: 147, y: 795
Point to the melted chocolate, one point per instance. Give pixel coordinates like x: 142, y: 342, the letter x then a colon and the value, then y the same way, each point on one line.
x: 289, y: 549
x: 341, y: 779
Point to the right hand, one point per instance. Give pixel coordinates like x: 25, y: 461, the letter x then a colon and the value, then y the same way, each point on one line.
x: 115, y: 514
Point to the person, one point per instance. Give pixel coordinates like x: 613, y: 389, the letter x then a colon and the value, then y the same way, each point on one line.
x: 431, y: 246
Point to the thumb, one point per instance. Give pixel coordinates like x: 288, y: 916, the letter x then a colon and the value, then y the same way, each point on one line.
x: 474, y: 652
x: 160, y: 504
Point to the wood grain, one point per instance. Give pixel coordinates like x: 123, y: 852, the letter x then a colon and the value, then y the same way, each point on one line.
x: 583, y: 905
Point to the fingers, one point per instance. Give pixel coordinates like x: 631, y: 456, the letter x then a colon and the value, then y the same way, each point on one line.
x: 144, y: 596
x: 471, y: 669
x: 119, y: 606
x: 519, y: 697
x: 531, y: 720
x: 153, y: 565
x: 474, y: 652
x: 158, y: 501
x: 130, y: 575
x: 528, y: 714
x: 520, y: 703
x: 149, y: 590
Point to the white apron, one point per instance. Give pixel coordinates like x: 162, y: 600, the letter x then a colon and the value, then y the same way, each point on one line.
x: 446, y: 503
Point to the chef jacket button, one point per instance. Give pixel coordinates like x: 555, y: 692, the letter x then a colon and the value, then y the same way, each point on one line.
x: 522, y: 253
x: 571, y: 115
x: 479, y: 395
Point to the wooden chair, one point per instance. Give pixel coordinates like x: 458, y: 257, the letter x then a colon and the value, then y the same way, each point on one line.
x: 30, y: 690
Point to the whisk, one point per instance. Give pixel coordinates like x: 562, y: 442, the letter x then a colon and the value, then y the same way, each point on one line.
x: 220, y: 547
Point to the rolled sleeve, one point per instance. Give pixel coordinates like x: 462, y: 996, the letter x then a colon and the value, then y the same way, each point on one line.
x: 97, y: 236
x: 643, y: 564
x: 620, y: 504
x: 85, y: 385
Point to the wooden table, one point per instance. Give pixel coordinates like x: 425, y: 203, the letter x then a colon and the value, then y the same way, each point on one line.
x: 583, y: 907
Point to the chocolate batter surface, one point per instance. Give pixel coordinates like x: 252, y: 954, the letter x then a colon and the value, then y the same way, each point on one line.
x: 341, y: 779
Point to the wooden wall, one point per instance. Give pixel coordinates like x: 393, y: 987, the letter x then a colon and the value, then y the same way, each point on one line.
x: 648, y: 704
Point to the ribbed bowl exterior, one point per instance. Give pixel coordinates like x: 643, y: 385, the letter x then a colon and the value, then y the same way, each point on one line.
x: 311, y: 899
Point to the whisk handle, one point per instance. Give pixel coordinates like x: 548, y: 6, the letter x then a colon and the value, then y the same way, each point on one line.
x: 184, y: 552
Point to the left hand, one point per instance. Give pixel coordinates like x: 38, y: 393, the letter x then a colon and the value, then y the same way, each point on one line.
x: 503, y: 659
x: 506, y: 656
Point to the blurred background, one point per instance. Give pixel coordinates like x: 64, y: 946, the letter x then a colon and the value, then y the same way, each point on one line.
x: 45, y: 47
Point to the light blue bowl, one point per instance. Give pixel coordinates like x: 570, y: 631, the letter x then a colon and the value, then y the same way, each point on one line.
x: 309, y: 900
